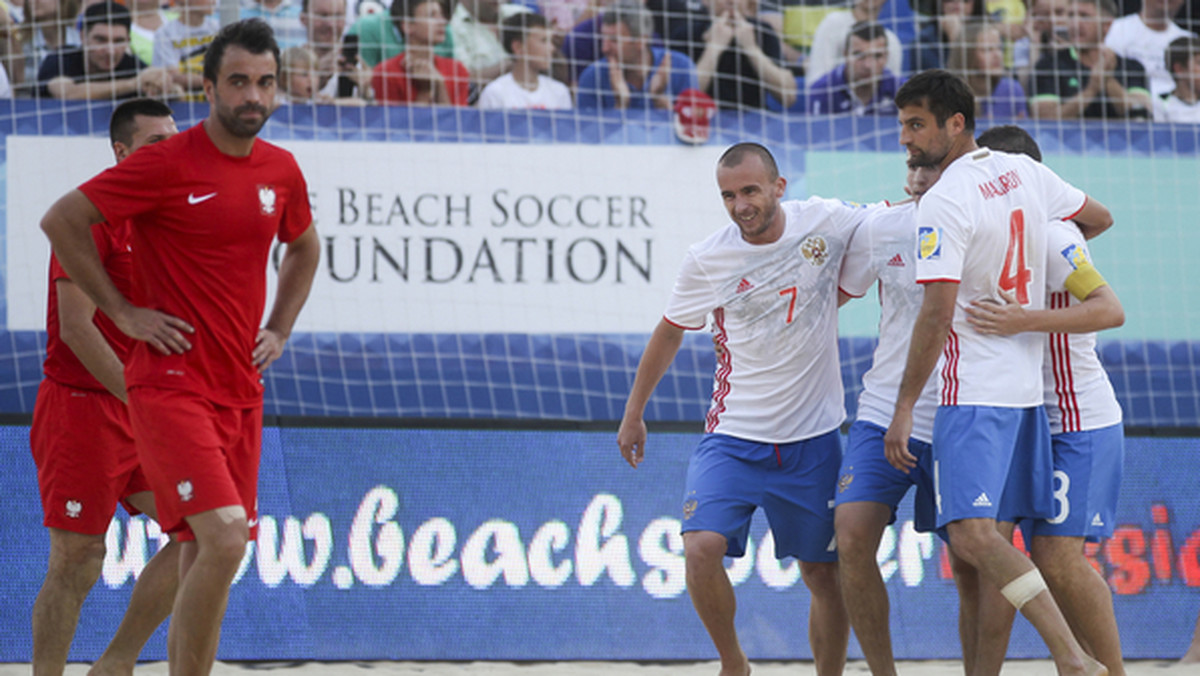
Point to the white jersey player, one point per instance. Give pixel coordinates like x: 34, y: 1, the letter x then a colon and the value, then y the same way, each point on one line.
x: 982, y: 232
x: 769, y: 280
x: 883, y: 252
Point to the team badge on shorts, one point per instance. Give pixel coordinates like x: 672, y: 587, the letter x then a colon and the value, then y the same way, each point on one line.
x: 844, y: 482
x: 185, y: 491
x: 815, y: 250
x: 266, y: 199
x: 930, y: 240
x: 74, y: 507
x: 689, y: 508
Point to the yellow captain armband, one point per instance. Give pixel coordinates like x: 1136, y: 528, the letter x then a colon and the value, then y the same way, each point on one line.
x: 1084, y: 280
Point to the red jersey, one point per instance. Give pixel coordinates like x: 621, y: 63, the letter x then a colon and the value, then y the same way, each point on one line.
x: 61, y: 365
x: 391, y: 84
x: 203, y: 223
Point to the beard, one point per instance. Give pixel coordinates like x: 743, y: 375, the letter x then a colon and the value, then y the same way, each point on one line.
x: 235, y: 125
x: 768, y: 217
x: 931, y: 158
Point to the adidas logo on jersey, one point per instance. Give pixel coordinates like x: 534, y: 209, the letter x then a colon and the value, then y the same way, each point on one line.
x: 896, y: 262
x: 1097, y: 521
x: 982, y: 501
x: 744, y: 286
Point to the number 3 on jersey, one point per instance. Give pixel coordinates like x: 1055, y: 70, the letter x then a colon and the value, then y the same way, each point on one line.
x: 1016, y: 275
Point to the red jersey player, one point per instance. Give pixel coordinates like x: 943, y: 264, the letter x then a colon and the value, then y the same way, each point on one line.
x: 204, y: 208
x: 81, y: 433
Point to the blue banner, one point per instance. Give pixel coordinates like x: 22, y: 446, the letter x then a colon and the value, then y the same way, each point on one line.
x: 544, y: 545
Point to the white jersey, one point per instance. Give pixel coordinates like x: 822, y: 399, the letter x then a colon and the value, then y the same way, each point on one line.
x: 774, y: 311
x: 983, y: 225
x: 180, y: 46
x: 1079, y: 396
x: 884, y: 250
x: 1131, y: 38
x: 1173, y: 109
x: 506, y: 92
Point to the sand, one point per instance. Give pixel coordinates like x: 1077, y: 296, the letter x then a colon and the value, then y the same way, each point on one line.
x: 855, y: 668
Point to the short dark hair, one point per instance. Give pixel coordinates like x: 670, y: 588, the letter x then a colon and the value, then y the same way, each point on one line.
x: 737, y: 153
x: 107, y: 12
x: 402, y: 10
x: 516, y: 27
x: 253, y: 35
x: 1181, y: 51
x: 1009, y: 138
x: 122, y: 124
x: 867, y: 31
x: 943, y: 93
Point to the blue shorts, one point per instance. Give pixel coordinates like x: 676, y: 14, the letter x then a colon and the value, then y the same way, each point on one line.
x: 992, y: 462
x: 1087, y: 478
x: 867, y: 476
x: 728, y: 478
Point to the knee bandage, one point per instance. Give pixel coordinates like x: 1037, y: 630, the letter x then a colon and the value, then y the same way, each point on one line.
x: 1024, y: 588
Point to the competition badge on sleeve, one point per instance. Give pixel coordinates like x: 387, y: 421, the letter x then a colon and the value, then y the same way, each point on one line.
x: 1076, y: 256
x: 930, y: 241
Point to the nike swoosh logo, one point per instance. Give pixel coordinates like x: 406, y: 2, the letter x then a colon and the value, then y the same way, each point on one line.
x: 192, y: 199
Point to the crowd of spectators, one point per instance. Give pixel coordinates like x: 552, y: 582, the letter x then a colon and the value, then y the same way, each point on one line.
x: 1055, y: 59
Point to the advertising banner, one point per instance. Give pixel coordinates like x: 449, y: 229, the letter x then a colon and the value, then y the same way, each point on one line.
x: 544, y: 545
x: 498, y: 238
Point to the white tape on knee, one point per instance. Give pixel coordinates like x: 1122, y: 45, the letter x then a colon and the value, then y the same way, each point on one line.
x: 1023, y: 589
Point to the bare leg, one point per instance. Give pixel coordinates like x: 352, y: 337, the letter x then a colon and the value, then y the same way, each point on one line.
x: 1084, y: 596
x: 828, y: 624
x: 859, y: 528
x: 1192, y: 656
x: 74, y: 566
x: 712, y: 595
x: 966, y: 579
x: 206, y: 570
x: 151, y: 602
x: 978, y: 542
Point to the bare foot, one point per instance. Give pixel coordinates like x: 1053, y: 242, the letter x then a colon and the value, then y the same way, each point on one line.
x: 742, y: 669
x: 108, y: 667
x: 1093, y: 668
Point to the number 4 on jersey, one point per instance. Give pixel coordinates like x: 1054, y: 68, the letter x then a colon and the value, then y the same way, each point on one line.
x: 1016, y: 275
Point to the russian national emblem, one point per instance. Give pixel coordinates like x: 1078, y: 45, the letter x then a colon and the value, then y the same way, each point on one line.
x: 844, y: 482
x: 815, y: 250
x: 266, y: 199
x: 689, y: 508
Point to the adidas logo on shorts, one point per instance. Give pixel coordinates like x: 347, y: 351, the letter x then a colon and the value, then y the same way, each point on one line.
x: 1097, y: 521
x: 982, y: 501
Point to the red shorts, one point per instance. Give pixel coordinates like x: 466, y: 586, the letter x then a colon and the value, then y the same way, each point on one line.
x: 198, y: 455
x: 85, y: 457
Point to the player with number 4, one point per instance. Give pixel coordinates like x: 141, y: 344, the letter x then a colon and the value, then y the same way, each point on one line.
x: 981, y: 233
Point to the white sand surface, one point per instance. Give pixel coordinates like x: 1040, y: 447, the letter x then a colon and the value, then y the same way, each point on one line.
x: 855, y: 668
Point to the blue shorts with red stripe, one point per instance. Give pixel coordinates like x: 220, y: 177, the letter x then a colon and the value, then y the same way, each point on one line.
x: 728, y: 478
x: 992, y: 462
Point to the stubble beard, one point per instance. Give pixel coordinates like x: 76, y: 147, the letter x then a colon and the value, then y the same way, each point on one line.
x: 239, y: 127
